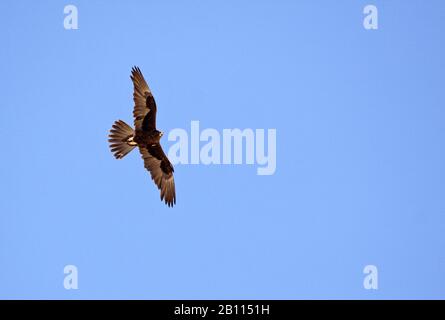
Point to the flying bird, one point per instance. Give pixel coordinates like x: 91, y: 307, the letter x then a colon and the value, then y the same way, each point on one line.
x: 146, y: 137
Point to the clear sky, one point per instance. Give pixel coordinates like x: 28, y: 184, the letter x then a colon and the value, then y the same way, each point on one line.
x: 360, y: 177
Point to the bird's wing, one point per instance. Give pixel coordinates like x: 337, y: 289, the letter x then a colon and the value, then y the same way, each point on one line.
x: 161, y: 171
x: 144, y: 111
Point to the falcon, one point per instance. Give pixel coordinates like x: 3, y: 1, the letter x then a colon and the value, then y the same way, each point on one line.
x: 146, y: 137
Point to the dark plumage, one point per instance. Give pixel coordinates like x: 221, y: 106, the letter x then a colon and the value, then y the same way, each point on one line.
x: 123, y: 138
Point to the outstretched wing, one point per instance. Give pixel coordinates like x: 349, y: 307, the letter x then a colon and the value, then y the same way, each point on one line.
x: 144, y: 111
x: 161, y: 171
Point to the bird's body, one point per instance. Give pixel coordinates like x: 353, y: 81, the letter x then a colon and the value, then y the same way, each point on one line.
x: 123, y: 138
x: 146, y: 138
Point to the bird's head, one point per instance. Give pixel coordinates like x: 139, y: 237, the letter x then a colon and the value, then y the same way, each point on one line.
x: 161, y: 134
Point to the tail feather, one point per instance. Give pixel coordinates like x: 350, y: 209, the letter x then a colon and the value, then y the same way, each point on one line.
x: 121, y: 139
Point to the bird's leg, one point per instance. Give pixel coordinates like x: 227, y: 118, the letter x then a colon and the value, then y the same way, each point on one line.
x: 131, y: 142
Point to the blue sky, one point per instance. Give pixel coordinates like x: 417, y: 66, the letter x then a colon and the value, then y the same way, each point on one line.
x: 360, y: 172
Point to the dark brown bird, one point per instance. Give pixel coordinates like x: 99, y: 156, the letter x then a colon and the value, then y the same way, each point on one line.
x: 123, y: 138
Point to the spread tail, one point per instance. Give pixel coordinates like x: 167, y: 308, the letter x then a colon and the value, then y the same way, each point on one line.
x: 121, y: 139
